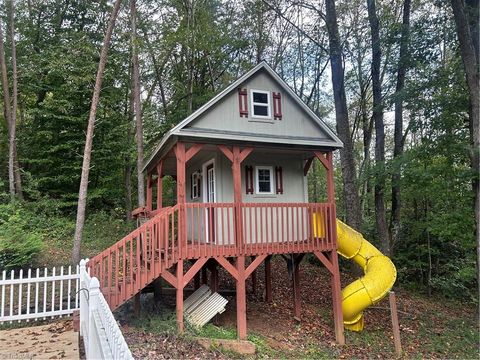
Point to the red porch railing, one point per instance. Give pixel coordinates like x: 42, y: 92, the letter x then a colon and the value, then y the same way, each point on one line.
x: 204, y: 230
x: 266, y: 228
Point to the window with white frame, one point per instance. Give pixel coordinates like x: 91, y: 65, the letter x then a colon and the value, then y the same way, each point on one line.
x: 264, y: 180
x: 196, y: 183
x: 261, y: 104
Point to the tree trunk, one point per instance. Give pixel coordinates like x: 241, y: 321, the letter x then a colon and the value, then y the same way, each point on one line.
x: 16, y: 167
x: 129, y: 112
x: 398, y: 132
x: 469, y: 54
x: 8, y: 118
x: 137, y: 105
x: 87, y: 154
x: 380, y: 214
x: 352, y: 204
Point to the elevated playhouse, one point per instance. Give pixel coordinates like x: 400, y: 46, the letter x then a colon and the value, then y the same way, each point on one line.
x: 240, y: 163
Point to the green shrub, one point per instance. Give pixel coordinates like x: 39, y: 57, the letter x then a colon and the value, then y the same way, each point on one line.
x: 19, y: 243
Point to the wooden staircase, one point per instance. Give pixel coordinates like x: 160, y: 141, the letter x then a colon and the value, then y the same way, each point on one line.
x: 131, y: 264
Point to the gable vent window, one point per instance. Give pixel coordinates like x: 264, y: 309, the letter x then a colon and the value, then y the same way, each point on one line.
x: 264, y: 179
x: 261, y: 106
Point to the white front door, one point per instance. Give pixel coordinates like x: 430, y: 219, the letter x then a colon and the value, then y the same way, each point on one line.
x: 210, y: 197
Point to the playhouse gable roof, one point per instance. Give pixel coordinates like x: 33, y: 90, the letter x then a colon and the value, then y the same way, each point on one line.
x: 230, y: 116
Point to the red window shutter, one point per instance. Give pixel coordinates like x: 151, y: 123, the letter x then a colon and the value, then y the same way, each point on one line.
x: 242, y: 102
x: 249, y: 179
x: 277, y: 106
x: 279, y: 179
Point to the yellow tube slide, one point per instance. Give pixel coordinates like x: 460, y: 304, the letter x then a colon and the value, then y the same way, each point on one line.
x: 380, y: 275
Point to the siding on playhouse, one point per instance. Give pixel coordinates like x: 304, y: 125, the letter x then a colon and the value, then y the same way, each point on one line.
x: 224, y: 116
x: 294, y: 191
x: 218, y: 121
x: 294, y: 182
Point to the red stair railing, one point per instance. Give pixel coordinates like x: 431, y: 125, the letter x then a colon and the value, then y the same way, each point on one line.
x: 129, y: 265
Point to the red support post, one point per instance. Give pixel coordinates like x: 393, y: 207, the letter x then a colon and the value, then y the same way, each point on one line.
x: 136, y: 304
x: 268, y: 279
x: 254, y: 282
x: 336, y: 287
x: 241, y: 300
x: 204, y: 275
x: 330, y: 179
x: 196, y: 281
x: 180, y: 155
x: 237, y: 196
x: 297, y: 301
x: 181, y: 199
x: 214, y: 277
x: 180, y: 296
x: 337, y: 300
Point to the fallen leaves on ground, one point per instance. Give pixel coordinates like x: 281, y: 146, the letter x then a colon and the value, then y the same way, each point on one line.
x: 430, y: 328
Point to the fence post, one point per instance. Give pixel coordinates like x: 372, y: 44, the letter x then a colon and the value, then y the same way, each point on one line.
x: 83, y: 297
x: 93, y: 345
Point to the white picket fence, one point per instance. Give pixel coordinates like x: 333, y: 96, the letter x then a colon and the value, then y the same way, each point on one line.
x: 48, y: 293
x: 102, y: 337
x: 38, y: 294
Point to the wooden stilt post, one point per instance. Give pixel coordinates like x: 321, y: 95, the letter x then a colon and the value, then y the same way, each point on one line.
x: 181, y: 232
x: 254, y: 282
x: 180, y: 296
x: 241, y: 300
x: 254, y: 279
x: 327, y: 161
x: 214, y: 277
x: 395, y: 325
x: 297, y: 302
x: 157, y: 290
x: 236, y: 156
x: 136, y: 304
x: 204, y: 275
x: 268, y: 279
x: 337, y: 300
x: 196, y: 281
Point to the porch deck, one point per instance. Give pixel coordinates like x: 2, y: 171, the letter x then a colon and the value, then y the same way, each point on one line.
x: 200, y: 231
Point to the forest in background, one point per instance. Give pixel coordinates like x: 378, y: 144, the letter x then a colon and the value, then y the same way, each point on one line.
x: 404, y: 177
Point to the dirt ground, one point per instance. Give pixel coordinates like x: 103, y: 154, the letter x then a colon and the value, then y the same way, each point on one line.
x: 52, y: 341
x: 431, y: 328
